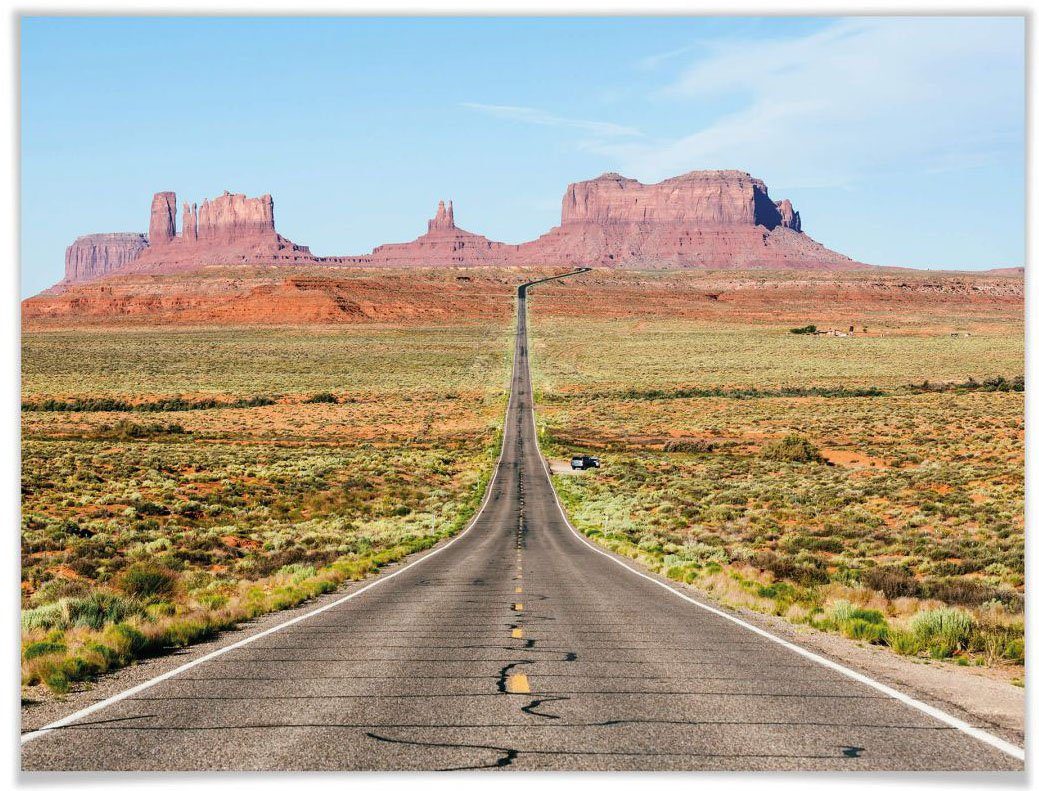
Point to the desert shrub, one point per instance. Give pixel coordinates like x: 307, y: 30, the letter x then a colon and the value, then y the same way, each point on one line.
x: 944, y: 630
x: 97, y: 609
x: 47, y: 616
x: 808, y: 329
x: 994, y: 384
x: 148, y: 580
x: 893, y: 581
x: 999, y: 642
x: 169, y: 404
x: 322, y: 398
x: 58, y: 588
x: 688, y: 445
x: 971, y: 593
x: 127, y: 429
x: 787, y: 568
x: 42, y: 647
x: 855, y: 622
x: 792, y: 447
x: 125, y: 639
x: 905, y: 642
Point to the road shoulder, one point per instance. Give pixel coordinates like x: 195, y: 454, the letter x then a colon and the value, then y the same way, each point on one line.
x: 40, y: 709
x: 968, y: 693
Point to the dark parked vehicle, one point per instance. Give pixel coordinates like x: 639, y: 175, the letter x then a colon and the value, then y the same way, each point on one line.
x: 584, y: 462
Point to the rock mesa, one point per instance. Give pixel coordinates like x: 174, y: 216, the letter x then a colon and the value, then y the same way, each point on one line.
x: 718, y: 219
x: 98, y: 254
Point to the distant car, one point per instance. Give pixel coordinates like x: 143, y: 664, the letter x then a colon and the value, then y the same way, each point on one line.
x: 584, y: 462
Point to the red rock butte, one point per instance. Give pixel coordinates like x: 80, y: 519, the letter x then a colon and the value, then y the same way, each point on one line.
x: 716, y: 219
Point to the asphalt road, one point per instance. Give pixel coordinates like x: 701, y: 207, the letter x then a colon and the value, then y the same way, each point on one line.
x: 515, y: 646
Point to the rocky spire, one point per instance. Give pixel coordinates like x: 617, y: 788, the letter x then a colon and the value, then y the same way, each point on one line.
x: 788, y: 217
x: 189, y: 225
x: 445, y: 218
x: 163, y: 224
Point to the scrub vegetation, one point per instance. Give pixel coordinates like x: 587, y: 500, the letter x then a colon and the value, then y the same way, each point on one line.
x: 307, y: 459
x: 872, y: 487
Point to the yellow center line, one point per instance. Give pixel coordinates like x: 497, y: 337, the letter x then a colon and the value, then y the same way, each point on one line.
x: 517, y: 684
x: 519, y: 590
x: 517, y: 633
x: 518, y: 607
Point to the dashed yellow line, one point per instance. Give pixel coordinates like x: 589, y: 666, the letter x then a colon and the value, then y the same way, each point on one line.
x: 518, y: 607
x: 519, y: 590
x: 517, y: 684
x: 517, y: 633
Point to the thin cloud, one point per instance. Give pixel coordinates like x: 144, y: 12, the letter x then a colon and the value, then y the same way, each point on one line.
x: 834, y: 106
x: 532, y: 115
x: 651, y: 62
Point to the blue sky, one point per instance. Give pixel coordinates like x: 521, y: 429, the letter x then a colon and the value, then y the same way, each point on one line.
x: 900, y: 141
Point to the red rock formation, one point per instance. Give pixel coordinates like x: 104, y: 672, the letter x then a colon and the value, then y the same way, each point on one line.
x: 98, y: 254
x: 444, y: 219
x: 230, y: 229
x: 233, y: 216
x: 788, y: 217
x: 720, y: 219
x: 189, y: 225
x: 444, y: 244
x: 162, y: 227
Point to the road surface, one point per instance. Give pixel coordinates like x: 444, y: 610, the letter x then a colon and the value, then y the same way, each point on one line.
x: 516, y: 646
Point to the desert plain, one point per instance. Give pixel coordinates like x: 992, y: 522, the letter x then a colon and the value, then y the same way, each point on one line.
x: 201, y: 449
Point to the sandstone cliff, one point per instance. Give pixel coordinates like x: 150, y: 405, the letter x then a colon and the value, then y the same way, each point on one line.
x: 98, y: 254
x: 232, y: 217
x: 721, y: 219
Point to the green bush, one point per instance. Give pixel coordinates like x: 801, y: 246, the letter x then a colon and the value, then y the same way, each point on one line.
x: 808, y: 329
x: 322, y: 398
x: 792, y: 447
x: 97, y: 609
x: 42, y: 647
x: 905, y: 642
x: 46, y: 616
x: 944, y: 630
x: 855, y: 622
x: 147, y: 580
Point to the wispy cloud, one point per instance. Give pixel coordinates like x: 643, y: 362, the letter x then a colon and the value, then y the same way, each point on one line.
x: 533, y: 115
x: 650, y: 62
x: 858, y: 97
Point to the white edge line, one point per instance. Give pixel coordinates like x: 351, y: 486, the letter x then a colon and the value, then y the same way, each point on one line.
x: 104, y: 704
x: 977, y: 733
